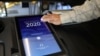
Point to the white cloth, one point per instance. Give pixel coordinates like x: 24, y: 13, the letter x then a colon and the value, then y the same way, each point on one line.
x: 88, y: 11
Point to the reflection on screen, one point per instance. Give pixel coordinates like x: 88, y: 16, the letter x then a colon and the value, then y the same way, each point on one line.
x: 37, y: 38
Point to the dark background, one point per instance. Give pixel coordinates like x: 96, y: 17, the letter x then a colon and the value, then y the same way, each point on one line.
x: 71, y: 2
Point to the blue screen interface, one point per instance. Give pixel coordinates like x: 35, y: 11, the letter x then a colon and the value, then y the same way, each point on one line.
x: 37, y: 37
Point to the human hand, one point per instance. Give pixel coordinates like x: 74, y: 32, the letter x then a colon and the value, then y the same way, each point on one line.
x: 52, y: 18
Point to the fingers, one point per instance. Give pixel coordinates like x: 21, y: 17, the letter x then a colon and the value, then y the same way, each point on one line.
x: 46, y: 18
x: 52, y: 18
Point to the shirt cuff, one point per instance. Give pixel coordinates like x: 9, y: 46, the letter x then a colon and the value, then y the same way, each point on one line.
x: 66, y: 16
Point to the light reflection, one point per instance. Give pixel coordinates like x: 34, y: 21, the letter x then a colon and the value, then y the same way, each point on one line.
x: 27, y: 47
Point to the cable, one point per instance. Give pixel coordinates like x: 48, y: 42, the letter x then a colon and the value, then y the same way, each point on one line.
x: 2, y: 43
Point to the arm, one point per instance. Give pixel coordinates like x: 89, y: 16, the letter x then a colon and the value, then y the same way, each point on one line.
x: 88, y: 11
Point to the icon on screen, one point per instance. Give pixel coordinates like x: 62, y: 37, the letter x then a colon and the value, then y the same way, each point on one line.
x: 42, y: 46
x: 38, y: 38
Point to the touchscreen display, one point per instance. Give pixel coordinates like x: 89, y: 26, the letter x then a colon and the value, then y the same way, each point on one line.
x: 36, y: 37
